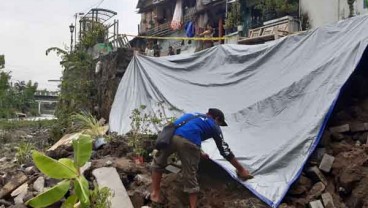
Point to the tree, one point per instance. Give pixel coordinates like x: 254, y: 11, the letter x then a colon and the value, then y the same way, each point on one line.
x: 351, y: 7
x: 2, y: 61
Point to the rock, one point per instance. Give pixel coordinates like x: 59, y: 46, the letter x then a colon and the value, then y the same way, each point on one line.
x: 316, y: 204
x: 316, y: 191
x: 340, y: 129
x: 318, y: 154
x: 3, y: 159
x: 327, y: 200
x: 15, y: 182
x: 3, y: 202
x: 109, y: 177
x: 357, y: 127
x: 39, y: 184
x: 142, y: 179
x: 301, y: 186
x: 18, y: 206
x: 326, y: 163
x: 21, y: 189
x: 108, y: 163
x: 99, y: 143
x: 337, y: 136
x: 317, y: 175
x: 30, y: 170
x: 172, y: 169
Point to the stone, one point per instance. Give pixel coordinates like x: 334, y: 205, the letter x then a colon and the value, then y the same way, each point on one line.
x: 14, y: 183
x: 317, y: 175
x: 30, y: 170
x: 316, y: 191
x: 340, y: 129
x: 301, y: 186
x: 108, y: 163
x: 18, y: 206
x: 39, y: 184
x: 3, y: 159
x: 142, y: 179
x: 327, y: 200
x: 21, y: 189
x: 109, y: 177
x: 172, y: 169
x: 337, y: 136
x: 326, y: 163
x: 316, y: 204
x: 357, y: 127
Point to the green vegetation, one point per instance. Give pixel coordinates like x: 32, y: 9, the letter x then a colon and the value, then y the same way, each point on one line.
x: 100, y: 197
x: 277, y: 8
x: 87, y: 123
x: 2, y: 61
x: 69, y: 171
x: 18, y: 124
x: 142, y: 125
x: 17, y: 97
x: 24, y: 152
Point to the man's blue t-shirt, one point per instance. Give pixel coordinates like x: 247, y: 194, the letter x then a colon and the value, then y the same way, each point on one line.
x: 200, y: 129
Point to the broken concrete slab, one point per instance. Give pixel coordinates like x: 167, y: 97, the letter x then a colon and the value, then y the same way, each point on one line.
x: 39, y: 184
x: 340, y: 129
x: 14, y: 183
x: 326, y: 163
x: 316, y: 204
x: 327, y: 200
x: 317, y: 175
x: 357, y: 127
x: 109, y: 177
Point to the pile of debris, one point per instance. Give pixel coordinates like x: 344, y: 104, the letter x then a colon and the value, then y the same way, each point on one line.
x: 336, y: 175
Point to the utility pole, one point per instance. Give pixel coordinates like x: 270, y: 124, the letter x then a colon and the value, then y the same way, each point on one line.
x: 71, y: 27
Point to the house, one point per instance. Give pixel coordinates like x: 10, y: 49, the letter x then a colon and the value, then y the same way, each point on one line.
x: 180, y: 18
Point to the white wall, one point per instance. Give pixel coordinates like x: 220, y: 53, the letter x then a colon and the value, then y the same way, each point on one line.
x: 322, y: 12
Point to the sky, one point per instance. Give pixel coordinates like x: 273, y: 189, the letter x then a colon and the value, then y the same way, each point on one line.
x: 29, y: 27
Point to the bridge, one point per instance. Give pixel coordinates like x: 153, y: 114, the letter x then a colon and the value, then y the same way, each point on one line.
x: 46, y: 97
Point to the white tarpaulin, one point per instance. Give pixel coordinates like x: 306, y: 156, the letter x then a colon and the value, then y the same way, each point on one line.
x: 276, y: 97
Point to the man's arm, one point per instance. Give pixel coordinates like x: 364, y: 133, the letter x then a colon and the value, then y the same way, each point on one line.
x: 227, y: 154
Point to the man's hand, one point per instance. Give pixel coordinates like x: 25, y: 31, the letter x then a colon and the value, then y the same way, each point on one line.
x: 205, y: 156
x: 244, y: 174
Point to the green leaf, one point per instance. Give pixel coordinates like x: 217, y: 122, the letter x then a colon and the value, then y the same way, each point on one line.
x: 82, y: 150
x: 50, y: 196
x: 82, y: 190
x: 70, y: 202
x: 53, y: 168
x: 69, y: 163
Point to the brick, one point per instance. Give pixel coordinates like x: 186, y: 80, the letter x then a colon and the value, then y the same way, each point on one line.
x: 326, y: 163
x: 327, y: 200
x: 357, y: 127
x: 340, y: 129
x: 316, y: 204
x: 317, y: 175
x: 14, y: 183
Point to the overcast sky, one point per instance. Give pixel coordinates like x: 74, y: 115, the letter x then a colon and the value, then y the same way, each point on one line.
x: 29, y: 27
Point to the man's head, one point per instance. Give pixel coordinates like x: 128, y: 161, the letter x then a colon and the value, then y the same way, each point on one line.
x: 217, y: 115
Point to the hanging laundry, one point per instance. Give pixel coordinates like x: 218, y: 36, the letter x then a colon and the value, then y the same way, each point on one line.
x: 176, y: 22
x: 190, y: 29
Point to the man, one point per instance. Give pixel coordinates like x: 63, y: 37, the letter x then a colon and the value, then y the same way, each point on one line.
x: 171, y: 51
x: 187, y: 142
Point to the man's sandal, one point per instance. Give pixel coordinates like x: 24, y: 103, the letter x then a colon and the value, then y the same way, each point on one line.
x: 152, y: 204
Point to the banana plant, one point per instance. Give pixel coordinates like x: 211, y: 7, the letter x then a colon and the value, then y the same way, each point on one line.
x: 68, y: 171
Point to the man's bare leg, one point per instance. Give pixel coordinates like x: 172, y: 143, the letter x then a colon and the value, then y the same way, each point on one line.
x: 193, y: 197
x: 156, y: 180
